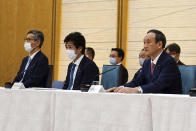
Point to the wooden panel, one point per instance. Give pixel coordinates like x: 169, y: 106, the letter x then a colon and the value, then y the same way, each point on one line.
x: 96, y: 20
x: 16, y: 19
x: 176, y: 19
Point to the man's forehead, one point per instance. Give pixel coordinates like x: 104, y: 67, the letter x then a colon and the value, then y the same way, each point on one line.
x: 149, y: 36
x: 170, y: 52
x: 30, y: 35
x: 114, y: 52
x: 142, y: 52
x: 69, y: 43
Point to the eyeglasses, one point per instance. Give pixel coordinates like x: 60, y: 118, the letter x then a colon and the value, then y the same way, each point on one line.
x: 113, y: 56
x: 28, y: 39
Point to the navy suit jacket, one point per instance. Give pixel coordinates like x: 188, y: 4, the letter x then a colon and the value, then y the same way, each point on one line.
x: 137, y: 77
x: 166, y: 77
x: 36, y: 72
x: 180, y: 63
x: 87, y: 73
x: 123, y: 75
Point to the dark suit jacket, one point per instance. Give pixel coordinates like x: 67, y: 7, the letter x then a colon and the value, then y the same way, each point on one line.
x: 87, y: 73
x: 36, y: 72
x: 123, y: 75
x: 180, y: 63
x: 137, y: 77
x: 166, y: 77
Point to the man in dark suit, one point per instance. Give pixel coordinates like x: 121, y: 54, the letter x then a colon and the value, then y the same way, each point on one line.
x: 142, y: 58
x: 174, y: 50
x: 81, y: 70
x: 116, y: 57
x: 34, y: 68
x: 160, y: 73
x: 90, y: 53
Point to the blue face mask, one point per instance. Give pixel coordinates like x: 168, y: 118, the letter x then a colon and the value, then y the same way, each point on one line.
x: 112, y: 61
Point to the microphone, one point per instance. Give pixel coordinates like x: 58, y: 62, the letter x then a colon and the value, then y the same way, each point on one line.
x: 106, y: 71
x: 85, y: 87
x: 102, y: 73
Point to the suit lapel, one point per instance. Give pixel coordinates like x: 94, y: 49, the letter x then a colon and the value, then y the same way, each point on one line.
x: 79, y: 71
x: 35, y: 59
x: 149, y: 69
x: 158, y: 66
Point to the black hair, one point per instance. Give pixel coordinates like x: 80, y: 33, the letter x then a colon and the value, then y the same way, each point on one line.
x: 120, y: 52
x: 159, y: 36
x: 78, y: 40
x: 38, y: 35
x: 91, y: 51
x: 173, y: 48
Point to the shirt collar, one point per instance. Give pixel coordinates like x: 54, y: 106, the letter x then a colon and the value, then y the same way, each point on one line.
x: 77, y: 62
x: 33, y: 55
x: 156, y: 59
x: 119, y: 63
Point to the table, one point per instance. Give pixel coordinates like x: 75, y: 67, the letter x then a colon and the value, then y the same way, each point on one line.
x: 60, y: 110
x: 173, y: 113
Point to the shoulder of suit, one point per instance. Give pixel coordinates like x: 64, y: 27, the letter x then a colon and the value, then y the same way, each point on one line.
x: 165, y: 59
x: 41, y: 57
x: 41, y: 54
x: 88, y: 62
x: 123, y: 67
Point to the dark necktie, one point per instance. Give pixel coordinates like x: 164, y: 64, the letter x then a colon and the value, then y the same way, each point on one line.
x: 71, y: 76
x: 152, y: 68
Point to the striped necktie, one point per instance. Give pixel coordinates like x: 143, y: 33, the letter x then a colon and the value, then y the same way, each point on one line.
x: 71, y: 76
x: 26, y: 67
x: 152, y: 68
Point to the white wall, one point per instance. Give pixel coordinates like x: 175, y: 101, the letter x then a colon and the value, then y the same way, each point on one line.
x: 175, y: 18
x: 96, y: 20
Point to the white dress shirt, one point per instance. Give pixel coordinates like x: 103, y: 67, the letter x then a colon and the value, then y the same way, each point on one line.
x: 77, y: 62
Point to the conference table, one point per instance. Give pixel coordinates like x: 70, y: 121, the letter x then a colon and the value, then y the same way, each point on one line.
x: 37, y: 109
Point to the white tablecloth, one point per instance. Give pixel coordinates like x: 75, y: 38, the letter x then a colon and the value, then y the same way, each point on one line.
x: 174, y: 113
x: 25, y: 110
x: 102, y: 112
x: 56, y: 110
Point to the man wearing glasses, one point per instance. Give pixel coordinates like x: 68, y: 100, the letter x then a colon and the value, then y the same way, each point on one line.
x: 34, y: 68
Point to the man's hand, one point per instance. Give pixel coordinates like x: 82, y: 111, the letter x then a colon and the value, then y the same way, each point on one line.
x: 128, y: 90
x: 122, y: 89
x: 114, y: 89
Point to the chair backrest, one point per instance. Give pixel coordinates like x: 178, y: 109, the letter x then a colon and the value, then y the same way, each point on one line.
x: 111, y: 78
x: 188, y: 76
x: 57, y: 84
x: 49, y: 77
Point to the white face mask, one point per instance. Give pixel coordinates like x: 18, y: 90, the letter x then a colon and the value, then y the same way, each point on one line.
x: 112, y: 61
x: 141, y: 61
x: 27, y: 46
x: 71, y: 54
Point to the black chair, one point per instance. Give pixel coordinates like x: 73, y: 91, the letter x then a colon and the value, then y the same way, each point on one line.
x: 49, y: 77
x: 8, y: 84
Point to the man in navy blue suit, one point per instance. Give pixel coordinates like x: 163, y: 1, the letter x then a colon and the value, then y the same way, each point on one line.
x: 34, y: 68
x: 142, y: 58
x: 160, y: 73
x: 82, y: 70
